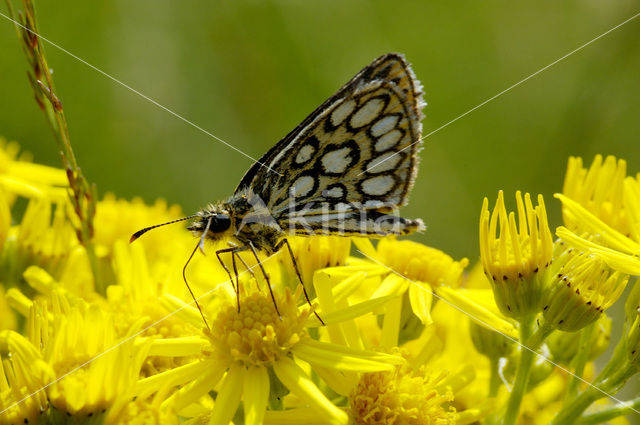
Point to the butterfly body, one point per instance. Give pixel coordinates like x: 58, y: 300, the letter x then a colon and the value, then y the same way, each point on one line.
x: 344, y: 170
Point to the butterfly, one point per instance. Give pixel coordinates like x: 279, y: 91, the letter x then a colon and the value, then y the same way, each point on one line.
x: 344, y: 170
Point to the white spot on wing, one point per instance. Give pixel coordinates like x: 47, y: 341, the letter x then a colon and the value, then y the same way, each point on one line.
x: 367, y: 113
x: 385, y: 162
x: 334, y: 192
x: 384, y: 125
x: 341, y: 112
x: 342, y: 207
x: 388, y: 141
x: 378, y: 186
x: 302, y: 186
x: 305, y: 153
x: 374, y: 203
x: 337, y: 161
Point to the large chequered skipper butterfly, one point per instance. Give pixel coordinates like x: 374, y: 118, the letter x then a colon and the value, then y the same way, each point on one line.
x: 342, y: 171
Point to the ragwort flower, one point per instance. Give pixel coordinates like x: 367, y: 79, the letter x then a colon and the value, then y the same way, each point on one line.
x: 245, y: 345
x: 411, y: 267
x: 515, y: 260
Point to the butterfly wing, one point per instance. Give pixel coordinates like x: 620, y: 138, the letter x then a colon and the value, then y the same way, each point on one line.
x: 357, y: 151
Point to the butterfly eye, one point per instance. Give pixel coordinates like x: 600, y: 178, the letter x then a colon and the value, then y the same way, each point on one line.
x: 220, y: 223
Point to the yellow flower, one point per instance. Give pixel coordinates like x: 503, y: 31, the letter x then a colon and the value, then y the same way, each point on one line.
x: 481, y: 307
x: 164, y: 254
x: 7, y: 317
x: 23, y: 374
x: 632, y: 205
x: 618, y: 251
x: 405, y: 396
x: 599, y: 189
x: 411, y: 267
x: 19, y: 176
x: 135, y: 300
x: 437, y: 384
x: 118, y: 219
x: 246, y: 344
x: 314, y: 253
x: 80, y: 345
x: 5, y: 217
x: 45, y: 237
x: 144, y: 409
x: 583, y: 287
x: 516, y: 259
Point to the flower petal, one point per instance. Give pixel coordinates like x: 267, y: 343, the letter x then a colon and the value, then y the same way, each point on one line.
x: 297, y: 381
x: 596, y: 226
x: 617, y: 260
x: 421, y: 298
x: 256, y: 395
x: 186, y: 346
x: 176, y: 376
x: 198, y: 387
x: 343, y: 358
x: 229, y: 396
x: 353, y: 311
x: 476, y: 312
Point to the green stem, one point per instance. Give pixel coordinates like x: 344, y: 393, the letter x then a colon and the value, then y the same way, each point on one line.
x: 541, y: 333
x: 83, y: 196
x: 617, y: 358
x: 574, y: 408
x: 580, y: 360
x: 611, y: 412
x: 521, y: 382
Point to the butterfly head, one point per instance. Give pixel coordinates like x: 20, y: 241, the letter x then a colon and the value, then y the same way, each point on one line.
x: 213, y: 222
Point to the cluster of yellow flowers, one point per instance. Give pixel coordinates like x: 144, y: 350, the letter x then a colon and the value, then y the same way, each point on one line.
x: 410, y: 335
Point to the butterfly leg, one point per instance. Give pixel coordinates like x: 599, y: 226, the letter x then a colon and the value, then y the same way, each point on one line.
x: 222, y: 251
x: 264, y: 273
x: 236, y: 287
x: 295, y: 267
x: 244, y: 263
x: 234, y: 253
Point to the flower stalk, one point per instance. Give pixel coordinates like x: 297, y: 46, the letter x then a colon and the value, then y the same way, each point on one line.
x: 521, y: 382
x: 610, y: 385
x: 580, y: 360
x: 82, y: 194
x: 611, y: 412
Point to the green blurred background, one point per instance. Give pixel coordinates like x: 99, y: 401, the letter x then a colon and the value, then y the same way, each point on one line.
x: 249, y: 71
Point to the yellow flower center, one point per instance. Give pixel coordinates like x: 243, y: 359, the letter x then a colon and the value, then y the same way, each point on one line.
x: 404, y: 397
x: 256, y: 335
x: 420, y: 262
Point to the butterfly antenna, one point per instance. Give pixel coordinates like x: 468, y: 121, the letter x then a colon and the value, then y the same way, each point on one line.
x: 184, y: 276
x: 141, y: 232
